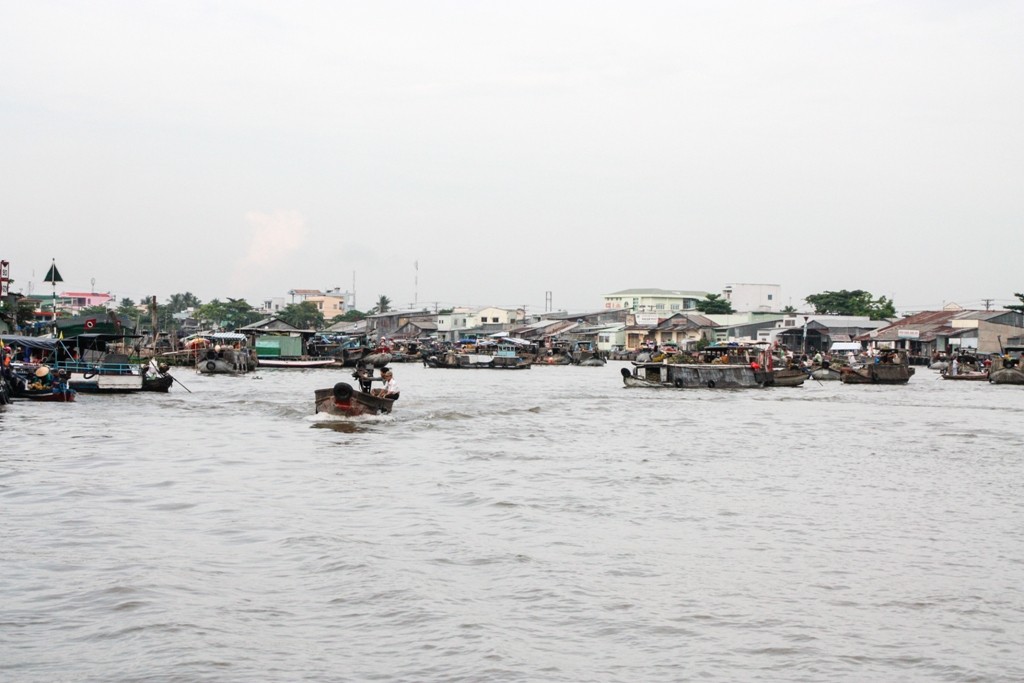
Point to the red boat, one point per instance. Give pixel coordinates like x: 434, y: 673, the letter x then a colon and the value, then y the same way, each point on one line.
x: 342, y: 399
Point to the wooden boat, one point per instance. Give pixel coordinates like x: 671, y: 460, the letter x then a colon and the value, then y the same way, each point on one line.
x: 891, y: 368
x: 155, y: 377
x: 786, y: 377
x: 1006, y: 376
x: 344, y: 400
x: 29, y: 384
x: 1006, y: 369
x: 506, y: 357
x: 224, y: 361
x: 727, y: 366
x: 830, y: 373
x: 161, y: 383
x: 967, y: 367
x: 56, y: 394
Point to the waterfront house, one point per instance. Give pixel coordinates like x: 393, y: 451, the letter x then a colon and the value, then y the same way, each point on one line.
x: 925, y: 333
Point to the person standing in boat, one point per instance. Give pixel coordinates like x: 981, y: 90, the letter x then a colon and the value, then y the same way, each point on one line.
x: 390, y: 388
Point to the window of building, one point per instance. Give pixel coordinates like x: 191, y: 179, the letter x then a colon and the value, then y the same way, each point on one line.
x: 770, y: 297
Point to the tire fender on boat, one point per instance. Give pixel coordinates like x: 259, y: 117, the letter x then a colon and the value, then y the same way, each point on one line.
x: 211, y: 366
x: 678, y: 383
x: 342, y: 391
x: 625, y: 372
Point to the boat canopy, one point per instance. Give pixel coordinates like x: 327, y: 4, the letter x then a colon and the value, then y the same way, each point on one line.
x: 228, y: 336
x: 41, y: 343
x: 845, y: 346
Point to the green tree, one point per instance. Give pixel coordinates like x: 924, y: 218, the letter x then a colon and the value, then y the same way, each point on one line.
x: 713, y: 303
x: 179, y: 302
x: 383, y: 305
x: 305, y: 316
x: 239, y: 313
x: 349, y: 316
x: 789, y: 310
x: 126, y: 307
x: 24, y: 310
x: 856, y: 302
x: 94, y: 310
x: 212, y: 314
x: 1017, y: 307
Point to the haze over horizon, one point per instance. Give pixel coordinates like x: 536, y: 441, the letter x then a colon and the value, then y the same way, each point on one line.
x: 245, y: 149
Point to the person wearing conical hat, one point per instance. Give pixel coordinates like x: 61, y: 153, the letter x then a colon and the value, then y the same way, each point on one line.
x: 43, y: 378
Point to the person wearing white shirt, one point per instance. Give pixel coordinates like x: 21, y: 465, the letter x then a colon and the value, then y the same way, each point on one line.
x: 390, y: 388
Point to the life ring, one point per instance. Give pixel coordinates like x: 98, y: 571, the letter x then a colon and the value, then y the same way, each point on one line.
x: 211, y: 366
x: 342, y: 391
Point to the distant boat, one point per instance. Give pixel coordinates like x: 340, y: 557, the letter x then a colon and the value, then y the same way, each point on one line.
x: 506, y: 357
x: 1006, y: 369
x: 225, y: 361
x: 727, y: 366
x: 890, y: 368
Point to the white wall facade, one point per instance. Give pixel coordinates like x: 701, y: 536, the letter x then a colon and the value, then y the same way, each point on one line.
x: 746, y: 297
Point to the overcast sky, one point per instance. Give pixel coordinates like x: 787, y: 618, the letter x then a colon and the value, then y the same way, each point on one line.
x: 246, y: 148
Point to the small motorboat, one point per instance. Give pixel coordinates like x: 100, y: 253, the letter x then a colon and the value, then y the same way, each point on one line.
x: 345, y: 400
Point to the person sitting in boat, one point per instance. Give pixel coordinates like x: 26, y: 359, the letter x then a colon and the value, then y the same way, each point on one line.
x: 390, y: 388
x: 43, y: 378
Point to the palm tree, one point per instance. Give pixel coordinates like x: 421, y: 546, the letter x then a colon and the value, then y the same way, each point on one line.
x: 179, y: 302
x: 383, y: 305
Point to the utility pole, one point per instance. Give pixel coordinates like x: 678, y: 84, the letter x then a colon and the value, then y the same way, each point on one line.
x: 988, y: 304
x: 547, y: 301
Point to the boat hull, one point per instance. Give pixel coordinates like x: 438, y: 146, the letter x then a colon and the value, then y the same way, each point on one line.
x: 477, y: 362
x: 695, y: 376
x: 161, y: 383
x: 1006, y: 376
x: 877, y: 373
x: 967, y: 377
x: 345, y: 401
x: 788, y: 378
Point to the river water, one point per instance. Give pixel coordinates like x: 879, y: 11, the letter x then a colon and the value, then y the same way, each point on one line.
x: 535, y: 525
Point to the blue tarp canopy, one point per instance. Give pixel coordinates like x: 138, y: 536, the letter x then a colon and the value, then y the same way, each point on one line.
x: 42, y: 343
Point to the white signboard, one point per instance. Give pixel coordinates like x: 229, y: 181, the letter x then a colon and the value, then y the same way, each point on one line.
x: 908, y: 334
x: 646, y: 318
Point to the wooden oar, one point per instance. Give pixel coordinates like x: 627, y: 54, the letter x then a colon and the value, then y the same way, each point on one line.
x: 182, y: 385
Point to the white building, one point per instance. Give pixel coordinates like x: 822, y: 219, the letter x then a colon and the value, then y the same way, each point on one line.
x: 663, y: 301
x: 746, y: 297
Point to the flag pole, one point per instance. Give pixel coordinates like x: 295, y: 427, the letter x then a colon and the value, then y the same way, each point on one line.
x: 53, y: 277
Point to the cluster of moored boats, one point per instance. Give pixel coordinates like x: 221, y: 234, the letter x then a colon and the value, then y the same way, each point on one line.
x: 46, y: 369
x: 739, y: 366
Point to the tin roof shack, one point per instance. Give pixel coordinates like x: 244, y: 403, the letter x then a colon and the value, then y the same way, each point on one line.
x: 681, y: 329
x: 822, y: 331
x: 389, y: 324
x: 274, y: 338
x: 925, y: 333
